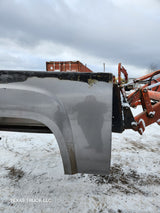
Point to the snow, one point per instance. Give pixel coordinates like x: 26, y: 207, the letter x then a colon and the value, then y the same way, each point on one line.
x: 32, y: 178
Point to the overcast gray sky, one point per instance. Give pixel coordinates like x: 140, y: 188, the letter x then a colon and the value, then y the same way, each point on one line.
x: 92, y: 31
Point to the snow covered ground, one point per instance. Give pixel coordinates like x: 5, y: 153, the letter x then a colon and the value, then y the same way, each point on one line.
x: 32, y: 179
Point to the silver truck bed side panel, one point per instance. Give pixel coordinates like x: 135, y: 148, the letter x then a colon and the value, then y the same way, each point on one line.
x: 78, y: 113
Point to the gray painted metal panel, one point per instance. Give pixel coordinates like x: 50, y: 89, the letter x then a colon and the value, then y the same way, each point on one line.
x: 78, y: 113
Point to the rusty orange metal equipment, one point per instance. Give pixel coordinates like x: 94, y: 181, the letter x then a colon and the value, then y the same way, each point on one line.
x: 121, y: 69
x: 148, y: 96
x: 67, y: 66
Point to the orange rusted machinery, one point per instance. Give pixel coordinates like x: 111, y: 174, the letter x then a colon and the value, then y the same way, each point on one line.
x: 121, y: 69
x: 147, y: 95
x: 67, y: 66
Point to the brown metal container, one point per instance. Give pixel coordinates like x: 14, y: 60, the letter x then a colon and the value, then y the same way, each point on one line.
x: 67, y: 66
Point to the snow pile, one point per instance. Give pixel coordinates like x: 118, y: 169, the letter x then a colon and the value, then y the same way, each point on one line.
x: 32, y: 179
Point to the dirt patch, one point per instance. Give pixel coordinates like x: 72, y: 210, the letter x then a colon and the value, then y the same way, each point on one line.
x: 145, y: 147
x: 150, y: 180
x: 139, y: 145
x: 128, y: 183
x: 14, y: 174
x: 117, y: 175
